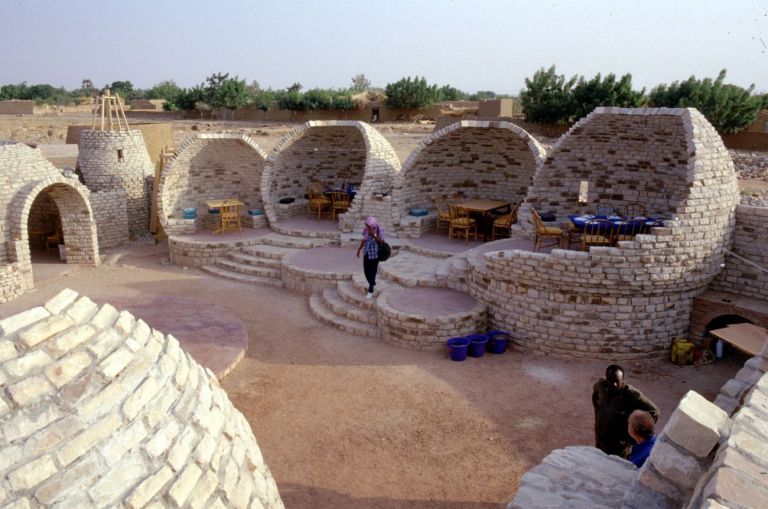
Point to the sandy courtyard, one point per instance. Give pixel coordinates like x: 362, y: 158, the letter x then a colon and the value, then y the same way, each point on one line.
x: 348, y: 422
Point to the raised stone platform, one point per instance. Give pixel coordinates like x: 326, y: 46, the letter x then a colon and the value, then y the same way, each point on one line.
x: 423, y: 318
x: 213, y: 336
x: 313, y: 270
x: 301, y: 226
x: 204, y: 247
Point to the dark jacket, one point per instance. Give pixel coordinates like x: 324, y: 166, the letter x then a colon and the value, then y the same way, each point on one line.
x: 612, y: 411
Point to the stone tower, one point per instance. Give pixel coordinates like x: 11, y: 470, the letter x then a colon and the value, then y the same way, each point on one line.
x: 114, y: 157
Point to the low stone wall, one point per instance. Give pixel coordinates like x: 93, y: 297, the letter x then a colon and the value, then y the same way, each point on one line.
x: 100, y: 410
x: 711, y: 304
x: 11, y: 282
x: 110, y: 213
x: 414, y: 227
x: 307, y: 281
x: 196, y: 253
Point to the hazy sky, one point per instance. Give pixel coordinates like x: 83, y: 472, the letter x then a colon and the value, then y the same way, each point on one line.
x: 472, y: 45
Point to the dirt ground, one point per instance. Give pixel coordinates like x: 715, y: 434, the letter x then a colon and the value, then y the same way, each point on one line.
x: 347, y: 422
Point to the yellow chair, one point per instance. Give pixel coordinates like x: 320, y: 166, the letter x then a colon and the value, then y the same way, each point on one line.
x: 626, y: 230
x: 597, y: 232
x: 339, y: 202
x: 460, y: 221
x: 545, y: 232
x: 230, y: 216
x: 443, y: 213
x: 317, y: 202
x: 504, y: 223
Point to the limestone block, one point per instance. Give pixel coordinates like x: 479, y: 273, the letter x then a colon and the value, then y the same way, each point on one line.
x: 29, y: 389
x: 679, y: 468
x: 59, y: 302
x: 696, y: 424
x: 18, y: 321
x: 32, y: 473
x: 145, y: 491
x: 184, y: 484
x: 728, y: 487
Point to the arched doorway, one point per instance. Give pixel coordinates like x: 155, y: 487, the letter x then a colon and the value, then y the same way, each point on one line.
x: 724, y: 321
x: 60, y: 206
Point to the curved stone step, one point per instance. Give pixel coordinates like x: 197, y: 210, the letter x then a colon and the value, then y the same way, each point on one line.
x: 342, y: 308
x: 276, y: 239
x: 410, y: 269
x: 318, y: 308
x: 269, y: 251
x: 243, y: 278
x: 258, y: 261
x: 297, y: 232
x: 250, y: 270
x: 354, y: 296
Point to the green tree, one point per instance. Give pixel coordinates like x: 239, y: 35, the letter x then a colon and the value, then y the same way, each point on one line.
x: 343, y: 102
x: 290, y: 100
x: 124, y: 89
x: 588, y: 95
x: 482, y: 95
x: 449, y: 93
x: 360, y: 84
x: 231, y: 94
x: 547, y: 97
x: 410, y: 93
x: 87, y: 89
x: 186, y: 99
x: 729, y: 108
x: 167, y: 90
x: 318, y: 99
x: 296, y: 87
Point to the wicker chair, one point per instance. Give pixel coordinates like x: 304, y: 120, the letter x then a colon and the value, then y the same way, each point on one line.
x: 230, y: 217
x: 605, y: 209
x: 339, y: 202
x: 504, y: 223
x: 443, y: 213
x: 634, y: 209
x: 597, y: 232
x: 317, y: 202
x: 545, y: 232
x: 461, y: 222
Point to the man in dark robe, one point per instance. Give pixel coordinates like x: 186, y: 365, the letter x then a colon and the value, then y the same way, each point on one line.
x: 614, y: 401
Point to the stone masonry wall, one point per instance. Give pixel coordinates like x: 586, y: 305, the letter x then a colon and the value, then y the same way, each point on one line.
x: 629, y: 301
x: 111, y: 216
x: 104, y: 169
x: 100, y: 410
x: 346, y: 150
x: 210, y: 166
x: 157, y: 137
x: 44, y: 214
x: 491, y: 160
x: 746, y: 271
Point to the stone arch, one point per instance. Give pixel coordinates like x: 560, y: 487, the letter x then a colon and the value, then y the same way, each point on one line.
x: 78, y: 226
x: 209, y: 166
x: 332, y: 151
x: 482, y: 159
x: 629, y: 301
x: 725, y: 320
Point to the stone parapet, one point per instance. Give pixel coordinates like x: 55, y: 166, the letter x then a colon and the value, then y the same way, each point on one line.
x: 103, y: 411
x: 11, y: 281
x: 196, y: 253
x: 111, y: 215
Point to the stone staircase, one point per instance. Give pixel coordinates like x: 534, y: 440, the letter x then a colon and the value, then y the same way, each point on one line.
x: 346, y: 308
x: 261, y: 263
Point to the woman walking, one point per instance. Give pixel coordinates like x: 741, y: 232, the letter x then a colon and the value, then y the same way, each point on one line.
x: 372, y: 235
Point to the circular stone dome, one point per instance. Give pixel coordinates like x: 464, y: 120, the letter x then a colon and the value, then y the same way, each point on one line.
x: 100, y: 410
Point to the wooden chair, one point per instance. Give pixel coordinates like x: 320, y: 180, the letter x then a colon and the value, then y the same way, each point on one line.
x: 317, y: 202
x: 443, y: 213
x: 545, y: 232
x: 339, y: 202
x: 54, y: 240
x: 597, y: 232
x: 504, y: 223
x: 574, y: 235
x: 634, y: 209
x: 626, y: 230
x: 605, y: 209
x: 229, y: 216
x: 460, y: 221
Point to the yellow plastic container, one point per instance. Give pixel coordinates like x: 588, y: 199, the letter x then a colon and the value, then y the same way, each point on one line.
x: 682, y: 351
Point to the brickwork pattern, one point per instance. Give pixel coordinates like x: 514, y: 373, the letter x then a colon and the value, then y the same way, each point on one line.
x: 110, y: 211
x: 26, y: 177
x: 157, y: 137
x: 629, y: 301
x: 711, y: 304
x: 100, y: 410
x: 332, y: 152
x: 481, y: 159
x: 210, y: 166
x: 751, y: 242
x: 102, y: 169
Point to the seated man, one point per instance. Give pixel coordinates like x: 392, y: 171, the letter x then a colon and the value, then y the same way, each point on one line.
x: 640, y: 428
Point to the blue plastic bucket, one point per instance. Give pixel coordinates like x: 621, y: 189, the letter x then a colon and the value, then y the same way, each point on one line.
x: 255, y: 212
x: 477, y: 344
x: 498, y: 341
x: 458, y: 348
x: 213, y: 211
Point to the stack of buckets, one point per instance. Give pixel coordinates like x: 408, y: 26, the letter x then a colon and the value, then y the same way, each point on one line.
x: 190, y: 213
x: 475, y: 345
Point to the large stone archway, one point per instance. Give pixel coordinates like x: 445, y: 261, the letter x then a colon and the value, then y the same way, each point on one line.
x: 480, y: 159
x: 331, y: 152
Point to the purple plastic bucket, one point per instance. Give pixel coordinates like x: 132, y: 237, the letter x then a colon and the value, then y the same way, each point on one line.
x: 458, y: 348
x: 477, y: 344
x: 498, y: 341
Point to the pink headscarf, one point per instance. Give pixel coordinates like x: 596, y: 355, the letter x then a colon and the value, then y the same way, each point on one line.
x: 371, y: 221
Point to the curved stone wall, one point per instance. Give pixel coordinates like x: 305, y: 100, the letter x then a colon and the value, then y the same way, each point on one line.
x: 209, y: 166
x: 26, y: 176
x: 481, y: 159
x: 102, y: 411
x: 331, y: 152
x: 628, y: 301
x: 110, y: 160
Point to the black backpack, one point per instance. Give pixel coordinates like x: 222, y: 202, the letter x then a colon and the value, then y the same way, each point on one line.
x: 384, y: 251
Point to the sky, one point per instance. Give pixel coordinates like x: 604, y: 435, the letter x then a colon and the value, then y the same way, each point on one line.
x: 472, y: 45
